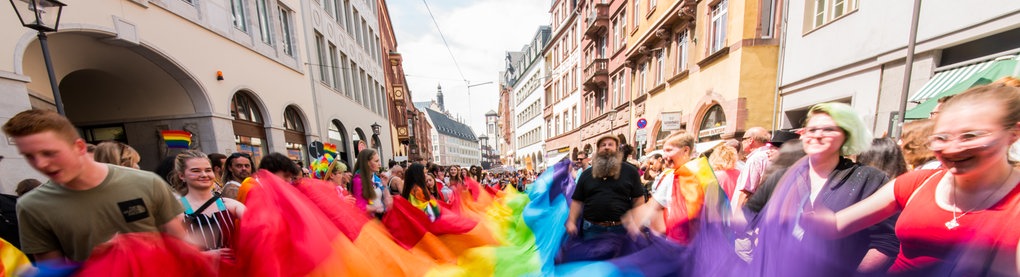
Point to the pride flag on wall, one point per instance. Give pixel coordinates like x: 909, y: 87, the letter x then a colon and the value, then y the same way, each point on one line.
x: 177, y: 139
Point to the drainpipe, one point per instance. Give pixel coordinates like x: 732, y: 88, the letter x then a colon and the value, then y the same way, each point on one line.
x: 776, y: 116
x: 908, y: 69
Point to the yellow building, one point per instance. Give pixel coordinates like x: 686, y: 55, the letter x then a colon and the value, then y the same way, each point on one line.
x: 707, y: 67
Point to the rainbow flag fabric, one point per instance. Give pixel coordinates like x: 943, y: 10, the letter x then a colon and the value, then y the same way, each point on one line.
x: 308, y: 229
x: 177, y: 139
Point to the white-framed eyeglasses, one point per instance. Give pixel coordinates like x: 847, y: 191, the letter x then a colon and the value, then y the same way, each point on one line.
x: 966, y: 140
x: 827, y: 131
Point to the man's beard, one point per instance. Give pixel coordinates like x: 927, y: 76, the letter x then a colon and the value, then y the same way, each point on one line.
x: 607, y: 164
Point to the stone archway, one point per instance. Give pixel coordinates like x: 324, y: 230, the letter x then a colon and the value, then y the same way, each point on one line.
x: 130, y: 90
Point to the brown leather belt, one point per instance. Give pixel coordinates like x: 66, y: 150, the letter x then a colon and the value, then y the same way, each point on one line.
x: 607, y: 223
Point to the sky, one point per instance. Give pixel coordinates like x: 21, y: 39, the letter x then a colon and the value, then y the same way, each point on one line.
x: 479, y: 33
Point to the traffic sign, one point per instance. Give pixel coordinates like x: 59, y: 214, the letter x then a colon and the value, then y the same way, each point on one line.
x: 641, y: 123
x: 641, y: 136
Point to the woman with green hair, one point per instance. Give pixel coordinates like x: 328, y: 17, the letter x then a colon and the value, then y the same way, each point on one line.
x: 825, y: 179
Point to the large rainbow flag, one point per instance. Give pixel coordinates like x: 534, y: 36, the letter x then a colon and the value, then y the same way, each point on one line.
x: 307, y: 229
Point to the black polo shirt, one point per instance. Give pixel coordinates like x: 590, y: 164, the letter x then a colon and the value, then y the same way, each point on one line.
x: 606, y: 199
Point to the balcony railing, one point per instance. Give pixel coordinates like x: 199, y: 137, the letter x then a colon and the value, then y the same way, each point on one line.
x: 596, y: 74
x: 598, y: 18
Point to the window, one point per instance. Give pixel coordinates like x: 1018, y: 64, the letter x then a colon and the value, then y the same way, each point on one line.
x: 566, y: 122
x: 824, y: 11
x: 559, y: 128
x: 718, y: 39
x: 357, y: 84
x: 244, y: 108
x: 602, y: 48
x: 768, y: 16
x: 292, y: 120
x: 239, y: 17
x: 319, y: 48
x: 619, y: 88
x: 612, y: 83
x: 623, y: 28
x: 285, y: 27
x: 642, y: 79
x: 349, y: 25
x: 660, y: 67
x: 573, y: 116
x: 364, y: 35
x: 330, y: 7
x: 548, y: 129
x: 357, y: 28
x: 334, y: 67
x: 616, y: 35
x: 341, y: 13
x: 681, y: 51
x: 363, y: 88
x: 265, y: 29
x: 820, y: 12
x: 838, y: 8
x: 345, y: 77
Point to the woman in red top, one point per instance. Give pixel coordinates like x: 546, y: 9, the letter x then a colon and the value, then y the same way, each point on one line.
x: 958, y: 220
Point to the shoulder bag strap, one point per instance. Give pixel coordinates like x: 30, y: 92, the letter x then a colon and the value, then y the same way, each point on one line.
x: 216, y: 196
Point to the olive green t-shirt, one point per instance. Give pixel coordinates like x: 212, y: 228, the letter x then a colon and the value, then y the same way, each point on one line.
x: 52, y: 217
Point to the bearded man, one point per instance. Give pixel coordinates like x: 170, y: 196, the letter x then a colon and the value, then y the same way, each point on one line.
x: 605, y: 192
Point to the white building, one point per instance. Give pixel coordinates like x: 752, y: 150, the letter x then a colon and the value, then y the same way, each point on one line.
x: 525, y: 74
x: 453, y: 142
x: 293, y: 72
x: 854, y: 52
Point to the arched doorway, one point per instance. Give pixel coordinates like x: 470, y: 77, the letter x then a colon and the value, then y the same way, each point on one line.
x: 294, y: 135
x: 249, y: 130
x: 122, y: 92
x: 337, y: 134
x: 713, y: 124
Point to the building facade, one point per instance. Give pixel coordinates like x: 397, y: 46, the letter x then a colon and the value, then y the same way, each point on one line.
x: 345, y: 63
x: 453, y: 142
x: 122, y: 78
x: 823, y: 60
x: 524, y: 71
x: 605, y: 101
x: 562, y: 86
x: 706, y: 67
x: 407, y: 143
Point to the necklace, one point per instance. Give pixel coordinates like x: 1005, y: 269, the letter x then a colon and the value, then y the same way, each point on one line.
x: 953, y: 223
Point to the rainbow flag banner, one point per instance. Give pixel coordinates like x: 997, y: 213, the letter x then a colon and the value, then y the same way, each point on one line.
x: 177, y: 139
x: 307, y: 229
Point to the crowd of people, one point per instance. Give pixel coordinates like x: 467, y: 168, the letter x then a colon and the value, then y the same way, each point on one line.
x: 825, y: 199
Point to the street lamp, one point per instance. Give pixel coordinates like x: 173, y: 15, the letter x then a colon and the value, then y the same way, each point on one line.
x: 469, y: 86
x: 376, y: 128
x: 43, y: 16
x: 612, y: 115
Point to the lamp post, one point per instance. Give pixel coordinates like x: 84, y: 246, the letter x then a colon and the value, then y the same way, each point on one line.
x: 376, y: 128
x: 43, y: 16
x: 612, y: 115
x: 469, y: 86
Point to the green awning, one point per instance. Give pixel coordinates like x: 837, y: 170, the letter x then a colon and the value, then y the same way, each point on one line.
x: 944, y: 79
x: 994, y: 70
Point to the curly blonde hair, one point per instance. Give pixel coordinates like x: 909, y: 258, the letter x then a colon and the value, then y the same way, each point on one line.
x: 914, y: 142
